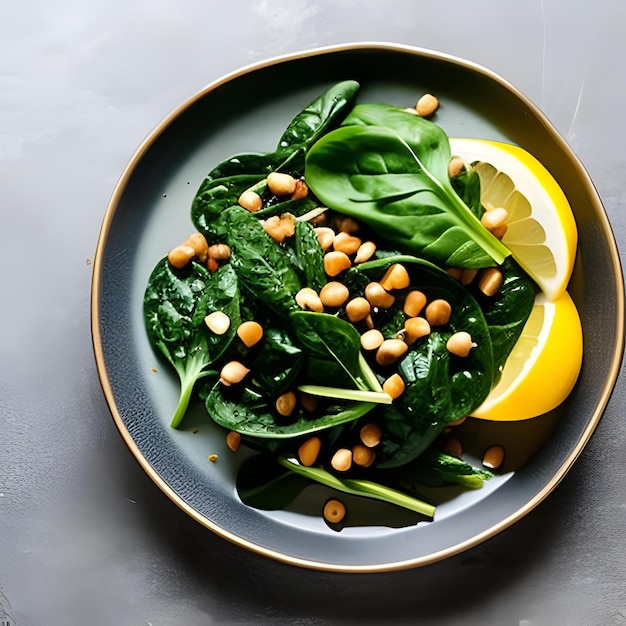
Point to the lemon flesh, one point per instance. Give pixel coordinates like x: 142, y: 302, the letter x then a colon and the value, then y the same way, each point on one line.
x: 542, y: 234
x: 543, y: 367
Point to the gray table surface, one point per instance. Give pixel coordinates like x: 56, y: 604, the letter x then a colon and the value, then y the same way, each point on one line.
x: 86, y: 538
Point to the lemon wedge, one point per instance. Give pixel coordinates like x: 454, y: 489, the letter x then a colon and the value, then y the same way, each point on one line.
x: 544, y: 365
x: 542, y: 234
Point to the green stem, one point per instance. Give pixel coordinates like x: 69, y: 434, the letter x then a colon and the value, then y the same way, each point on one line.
x: 189, y: 373
x: 358, y: 395
x: 492, y: 245
x: 359, y: 487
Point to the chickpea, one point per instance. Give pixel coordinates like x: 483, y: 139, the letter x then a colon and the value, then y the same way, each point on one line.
x: 362, y: 455
x: 453, y: 447
x: 494, y: 456
x: 233, y: 372
x: 286, y: 403
x: 273, y: 229
x: 219, y: 251
x: 181, y: 255
x: 438, y: 312
x: 394, y: 386
x: 217, y: 322
x: 414, y: 302
x: 279, y: 228
x: 396, y: 277
x: 325, y: 236
x: 233, y: 440
x: 346, y: 224
x: 456, y: 166
x: 344, y: 242
x: 281, y: 184
x: 467, y: 276
x: 199, y: 243
x: 250, y: 200
x: 372, y: 339
x: 378, y: 297
x: 342, y: 460
x: 365, y: 252
x: 334, y: 294
x: 212, y: 264
x: 301, y: 190
x: 358, y: 309
x: 336, y: 262
x: 415, y: 328
x: 390, y: 351
x: 288, y: 224
x: 495, y: 221
x: 460, y: 344
x: 370, y: 435
x: 490, y: 281
x: 308, y: 402
x: 455, y: 272
x: 307, y: 299
x: 309, y: 451
x: 427, y: 105
x: 334, y: 511
x: 250, y: 333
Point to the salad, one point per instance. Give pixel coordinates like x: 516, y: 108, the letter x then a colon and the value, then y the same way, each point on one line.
x: 344, y: 301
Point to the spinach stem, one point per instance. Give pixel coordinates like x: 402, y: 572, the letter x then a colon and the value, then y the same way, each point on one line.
x: 358, y: 395
x: 188, y: 372
x: 359, y: 487
x: 493, y: 246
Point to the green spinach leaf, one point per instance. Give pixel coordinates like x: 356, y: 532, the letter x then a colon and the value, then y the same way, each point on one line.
x: 310, y: 256
x: 275, y: 368
x: 389, y: 169
x: 251, y: 414
x: 175, y: 305
x: 436, y: 469
x: 228, y: 180
x: 507, y: 311
x: 329, y: 338
x: 318, y: 117
x: 263, y: 267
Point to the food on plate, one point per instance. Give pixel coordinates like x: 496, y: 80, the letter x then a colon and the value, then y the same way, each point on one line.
x: 351, y: 297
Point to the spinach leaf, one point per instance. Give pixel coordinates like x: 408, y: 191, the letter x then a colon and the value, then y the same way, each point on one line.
x: 318, y: 117
x: 310, y: 256
x: 218, y: 193
x: 277, y: 365
x: 467, y: 186
x: 329, y: 338
x: 263, y: 267
x: 436, y: 469
x: 507, y: 311
x: 389, y: 169
x: 225, y: 183
x: 251, y: 414
x: 175, y: 305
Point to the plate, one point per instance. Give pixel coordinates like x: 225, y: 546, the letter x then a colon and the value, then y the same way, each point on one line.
x: 149, y: 213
